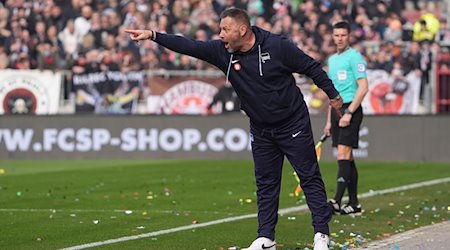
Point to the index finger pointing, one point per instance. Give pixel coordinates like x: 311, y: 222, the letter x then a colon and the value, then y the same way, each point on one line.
x: 131, y: 32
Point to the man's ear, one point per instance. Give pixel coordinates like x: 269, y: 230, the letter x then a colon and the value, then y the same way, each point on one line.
x: 243, y: 30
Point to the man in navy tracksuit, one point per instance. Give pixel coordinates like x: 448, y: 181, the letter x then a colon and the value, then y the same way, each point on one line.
x: 259, y: 65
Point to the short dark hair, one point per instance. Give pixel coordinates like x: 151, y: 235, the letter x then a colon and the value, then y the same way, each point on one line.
x: 342, y: 25
x: 237, y: 14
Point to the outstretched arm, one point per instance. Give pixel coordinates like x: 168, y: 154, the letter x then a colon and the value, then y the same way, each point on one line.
x: 204, y: 50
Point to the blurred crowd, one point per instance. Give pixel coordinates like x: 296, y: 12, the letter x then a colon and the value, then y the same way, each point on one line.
x: 87, y: 35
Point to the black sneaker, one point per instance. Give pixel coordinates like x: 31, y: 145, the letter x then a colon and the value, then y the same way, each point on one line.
x: 334, y: 206
x: 351, y: 209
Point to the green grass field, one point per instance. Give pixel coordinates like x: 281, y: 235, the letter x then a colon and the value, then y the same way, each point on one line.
x: 59, y: 204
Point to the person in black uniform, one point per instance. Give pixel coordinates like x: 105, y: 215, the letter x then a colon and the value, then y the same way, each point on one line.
x: 259, y: 65
x: 228, y: 97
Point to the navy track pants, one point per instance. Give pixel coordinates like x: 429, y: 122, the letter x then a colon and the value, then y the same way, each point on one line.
x: 269, y: 147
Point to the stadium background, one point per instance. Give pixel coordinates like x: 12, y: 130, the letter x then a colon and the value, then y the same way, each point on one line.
x: 70, y: 61
x: 76, y: 95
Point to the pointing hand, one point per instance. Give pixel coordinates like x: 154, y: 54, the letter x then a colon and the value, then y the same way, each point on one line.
x: 138, y: 35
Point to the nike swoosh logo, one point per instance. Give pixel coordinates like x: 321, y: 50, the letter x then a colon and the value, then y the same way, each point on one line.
x: 340, y: 179
x: 295, y: 135
x: 264, y: 247
x: 234, y: 61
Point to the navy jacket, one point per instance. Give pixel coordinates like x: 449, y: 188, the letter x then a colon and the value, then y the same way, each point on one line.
x: 262, y: 77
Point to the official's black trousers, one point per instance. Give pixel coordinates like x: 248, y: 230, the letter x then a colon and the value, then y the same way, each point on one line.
x: 269, y: 147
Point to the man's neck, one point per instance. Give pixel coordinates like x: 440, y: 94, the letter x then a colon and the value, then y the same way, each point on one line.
x: 344, y: 49
x: 249, y: 42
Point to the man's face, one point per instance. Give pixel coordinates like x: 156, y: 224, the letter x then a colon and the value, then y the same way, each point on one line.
x: 341, y: 38
x: 230, y: 34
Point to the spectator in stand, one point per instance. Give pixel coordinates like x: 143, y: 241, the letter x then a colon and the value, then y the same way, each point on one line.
x: 123, y: 43
x: 23, y: 62
x: 110, y: 43
x: 433, y: 4
x: 52, y: 37
x: 101, y: 5
x: 254, y: 9
x: 109, y: 61
x: 17, y: 52
x: 300, y: 14
x: 164, y: 60
x: 411, y: 59
x: 181, y: 27
x: 347, y: 9
x: 48, y: 57
x: 365, y: 26
x: 4, y: 13
x: 79, y: 65
x: 5, y: 33
x: 4, y: 60
x: 286, y: 25
x: 150, y: 60
x: 105, y: 26
x: 282, y: 8
x: 382, y: 61
x: 219, y: 7
x: 178, y: 14
x: 163, y: 23
x: 201, y: 65
x: 425, y: 58
x: 202, y: 13
x: 96, y: 29
x: 130, y: 13
x: 88, y: 43
x: 422, y: 32
x: 56, y: 18
x: 336, y: 17
x: 201, y: 35
x: 141, y: 21
x: 93, y: 61
x: 40, y: 32
x: 115, y: 22
x: 130, y: 62
x: 325, y: 11
x: 443, y: 35
x: 397, y: 6
x: 297, y: 34
x: 394, y: 29
x: 185, y: 63
x: 70, y: 40
x: 83, y: 22
x: 327, y: 45
x: 416, y: 4
x: 71, y: 9
x: 321, y: 32
x: 157, y: 10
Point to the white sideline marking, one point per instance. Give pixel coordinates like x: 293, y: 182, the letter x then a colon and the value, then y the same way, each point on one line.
x: 248, y: 216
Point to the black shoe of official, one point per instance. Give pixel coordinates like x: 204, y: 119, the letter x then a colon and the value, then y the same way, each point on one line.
x: 350, y: 209
x: 334, y: 206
